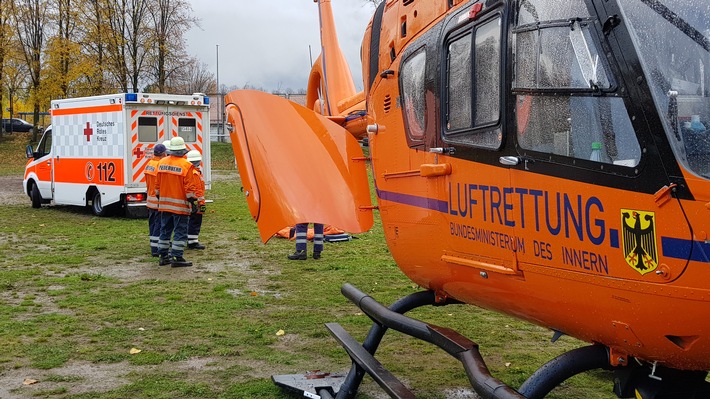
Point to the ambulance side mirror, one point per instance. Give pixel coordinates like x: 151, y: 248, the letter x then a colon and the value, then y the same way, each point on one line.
x: 28, y: 152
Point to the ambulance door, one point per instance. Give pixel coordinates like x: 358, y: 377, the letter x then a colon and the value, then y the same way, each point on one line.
x: 148, y: 127
x: 43, y: 166
x: 192, y: 124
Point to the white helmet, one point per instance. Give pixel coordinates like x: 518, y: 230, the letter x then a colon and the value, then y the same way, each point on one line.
x: 177, y: 144
x: 166, y: 143
x: 194, y: 156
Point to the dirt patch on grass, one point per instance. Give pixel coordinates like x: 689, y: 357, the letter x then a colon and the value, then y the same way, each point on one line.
x: 11, y: 191
x: 83, y: 377
x: 78, y: 377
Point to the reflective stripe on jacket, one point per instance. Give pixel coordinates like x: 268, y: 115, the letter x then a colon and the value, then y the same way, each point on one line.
x: 175, y: 185
x: 150, y: 172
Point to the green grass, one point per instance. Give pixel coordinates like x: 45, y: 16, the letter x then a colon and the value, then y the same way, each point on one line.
x: 78, y: 292
x: 12, y: 153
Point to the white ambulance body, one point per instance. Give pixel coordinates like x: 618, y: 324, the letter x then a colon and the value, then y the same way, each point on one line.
x: 96, y: 148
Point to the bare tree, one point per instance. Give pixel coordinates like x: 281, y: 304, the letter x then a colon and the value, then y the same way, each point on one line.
x: 30, y: 18
x: 95, y: 38
x: 170, y: 18
x: 194, y: 77
x: 63, y: 53
x: 128, y: 39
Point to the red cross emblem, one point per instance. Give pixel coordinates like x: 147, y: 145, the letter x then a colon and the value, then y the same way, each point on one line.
x: 88, y: 132
x: 138, y: 152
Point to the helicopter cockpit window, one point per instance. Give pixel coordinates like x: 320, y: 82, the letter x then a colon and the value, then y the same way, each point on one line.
x: 473, y: 86
x: 413, y: 93
x: 565, y: 103
x: 673, y: 44
x: 534, y: 11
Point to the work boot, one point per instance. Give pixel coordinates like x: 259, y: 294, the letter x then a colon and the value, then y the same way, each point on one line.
x: 179, y: 261
x: 316, y: 254
x: 164, y: 260
x: 298, y: 255
x: 195, y: 245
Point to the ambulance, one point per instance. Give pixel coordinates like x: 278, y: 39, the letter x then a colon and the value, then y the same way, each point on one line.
x: 96, y: 148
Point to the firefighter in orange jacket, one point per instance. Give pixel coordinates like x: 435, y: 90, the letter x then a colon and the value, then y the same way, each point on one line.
x: 151, y: 172
x: 195, y: 224
x: 175, y: 190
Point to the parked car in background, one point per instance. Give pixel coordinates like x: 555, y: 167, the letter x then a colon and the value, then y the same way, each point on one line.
x: 16, y: 125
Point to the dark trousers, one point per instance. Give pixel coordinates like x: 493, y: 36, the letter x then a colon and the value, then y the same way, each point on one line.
x: 301, y: 237
x: 193, y: 228
x: 175, y: 226
x: 154, y: 230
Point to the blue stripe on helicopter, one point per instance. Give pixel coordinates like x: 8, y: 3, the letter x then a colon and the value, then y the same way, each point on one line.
x: 680, y: 249
x: 413, y: 200
x: 671, y: 247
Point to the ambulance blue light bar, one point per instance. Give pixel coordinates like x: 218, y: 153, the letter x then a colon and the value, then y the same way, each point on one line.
x: 131, y: 97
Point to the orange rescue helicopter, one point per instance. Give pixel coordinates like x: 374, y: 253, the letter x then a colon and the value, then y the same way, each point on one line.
x: 546, y: 159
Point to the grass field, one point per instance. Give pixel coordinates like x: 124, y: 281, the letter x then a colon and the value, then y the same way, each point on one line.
x: 85, y: 312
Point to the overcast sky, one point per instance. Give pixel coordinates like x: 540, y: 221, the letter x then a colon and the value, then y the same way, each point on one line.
x: 265, y: 43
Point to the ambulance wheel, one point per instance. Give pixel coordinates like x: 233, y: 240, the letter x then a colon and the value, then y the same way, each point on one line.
x: 96, y: 207
x: 36, y: 197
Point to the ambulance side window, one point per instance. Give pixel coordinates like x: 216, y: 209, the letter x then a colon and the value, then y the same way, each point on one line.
x: 147, y: 129
x: 187, y: 129
x: 45, y: 144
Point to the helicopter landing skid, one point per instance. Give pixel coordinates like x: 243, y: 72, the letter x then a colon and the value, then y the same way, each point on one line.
x: 331, y: 386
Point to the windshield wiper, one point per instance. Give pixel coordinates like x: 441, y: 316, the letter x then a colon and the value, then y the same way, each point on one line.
x: 673, y: 112
x: 679, y: 23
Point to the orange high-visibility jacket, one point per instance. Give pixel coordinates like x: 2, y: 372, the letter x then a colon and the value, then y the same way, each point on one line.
x: 151, y: 172
x: 199, y: 186
x: 175, y: 185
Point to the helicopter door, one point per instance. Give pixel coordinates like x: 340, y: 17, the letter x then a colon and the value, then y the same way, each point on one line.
x: 481, y: 215
x: 298, y: 168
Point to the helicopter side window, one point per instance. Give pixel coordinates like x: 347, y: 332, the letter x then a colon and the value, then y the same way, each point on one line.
x: 413, y: 94
x: 564, y: 95
x: 473, y: 86
x: 459, y: 88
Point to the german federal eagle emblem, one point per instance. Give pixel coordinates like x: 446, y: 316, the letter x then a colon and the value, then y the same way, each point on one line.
x: 639, y: 244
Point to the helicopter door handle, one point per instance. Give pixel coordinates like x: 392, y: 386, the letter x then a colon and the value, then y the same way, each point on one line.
x: 509, y: 160
x: 434, y: 170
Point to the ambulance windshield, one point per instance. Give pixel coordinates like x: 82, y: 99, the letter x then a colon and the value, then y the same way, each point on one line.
x: 673, y: 42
